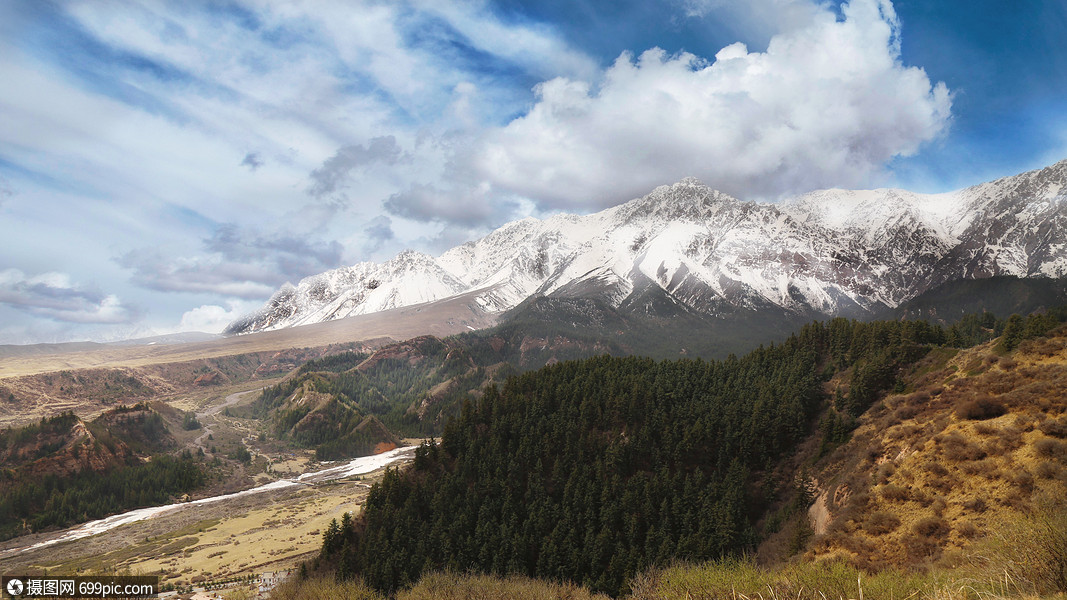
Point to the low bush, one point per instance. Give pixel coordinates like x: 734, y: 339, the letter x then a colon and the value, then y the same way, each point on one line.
x: 895, y: 493
x: 1023, y: 480
x: 980, y: 408
x: 975, y: 505
x: 944, y: 485
x: 884, y: 472
x: 931, y: 527
x: 957, y: 449
x: 1055, y: 427
x: 1048, y: 470
x: 905, y: 412
x: 918, y: 548
x: 935, y: 468
x: 880, y: 523
x: 985, y: 467
x: 1051, y: 448
x: 967, y: 529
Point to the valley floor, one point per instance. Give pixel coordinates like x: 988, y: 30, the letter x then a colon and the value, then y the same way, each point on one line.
x: 271, y: 531
x: 202, y: 542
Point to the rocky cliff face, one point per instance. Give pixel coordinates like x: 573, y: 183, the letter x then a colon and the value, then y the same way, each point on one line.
x: 829, y: 253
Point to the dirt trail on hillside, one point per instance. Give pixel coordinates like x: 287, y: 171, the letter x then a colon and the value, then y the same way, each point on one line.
x: 819, y: 514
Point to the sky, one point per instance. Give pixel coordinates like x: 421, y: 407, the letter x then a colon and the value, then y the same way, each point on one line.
x: 166, y: 166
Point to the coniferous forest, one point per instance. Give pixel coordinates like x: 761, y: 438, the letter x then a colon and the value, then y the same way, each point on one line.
x: 594, y: 470
x: 110, y: 472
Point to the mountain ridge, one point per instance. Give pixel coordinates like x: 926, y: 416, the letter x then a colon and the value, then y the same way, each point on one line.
x: 826, y: 253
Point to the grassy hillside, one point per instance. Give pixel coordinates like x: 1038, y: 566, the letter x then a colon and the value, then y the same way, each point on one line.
x: 410, y: 388
x: 732, y: 579
x: 975, y: 439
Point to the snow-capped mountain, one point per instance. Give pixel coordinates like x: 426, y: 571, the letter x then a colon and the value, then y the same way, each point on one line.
x: 830, y: 252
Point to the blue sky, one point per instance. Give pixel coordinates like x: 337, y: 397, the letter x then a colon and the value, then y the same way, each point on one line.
x: 164, y: 166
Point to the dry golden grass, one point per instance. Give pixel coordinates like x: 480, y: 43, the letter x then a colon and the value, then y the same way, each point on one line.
x: 741, y: 580
x: 324, y: 589
x: 449, y: 586
x: 970, y: 447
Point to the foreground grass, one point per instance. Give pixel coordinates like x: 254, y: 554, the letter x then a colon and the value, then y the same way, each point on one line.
x: 739, y: 580
x: 722, y: 580
x: 440, y: 586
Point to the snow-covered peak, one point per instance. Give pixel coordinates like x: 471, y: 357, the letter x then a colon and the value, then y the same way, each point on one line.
x: 826, y: 252
x: 687, y: 200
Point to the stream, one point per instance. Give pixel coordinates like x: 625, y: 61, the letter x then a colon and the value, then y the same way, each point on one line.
x: 214, y: 410
x: 356, y: 466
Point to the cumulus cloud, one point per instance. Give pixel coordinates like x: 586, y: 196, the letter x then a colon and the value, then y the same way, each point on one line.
x: 335, y: 170
x: 54, y: 296
x: 212, y: 318
x: 828, y: 104
x: 236, y: 263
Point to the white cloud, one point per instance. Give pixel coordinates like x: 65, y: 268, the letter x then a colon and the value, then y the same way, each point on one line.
x: 54, y: 296
x: 177, y: 120
x: 826, y: 105
x: 212, y: 318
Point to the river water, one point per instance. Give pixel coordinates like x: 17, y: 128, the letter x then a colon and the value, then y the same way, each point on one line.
x: 357, y: 466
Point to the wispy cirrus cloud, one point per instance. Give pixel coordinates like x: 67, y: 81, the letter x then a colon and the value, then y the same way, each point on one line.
x: 5, y: 190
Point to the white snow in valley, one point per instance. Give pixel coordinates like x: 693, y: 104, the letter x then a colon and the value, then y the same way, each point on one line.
x: 357, y: 466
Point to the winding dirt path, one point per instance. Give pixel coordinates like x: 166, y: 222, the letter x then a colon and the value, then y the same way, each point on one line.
x: 212, y: 411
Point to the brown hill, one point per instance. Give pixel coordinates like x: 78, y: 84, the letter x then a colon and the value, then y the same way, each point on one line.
x: 65, y: 444
x: 27, y: 398
x: 975, y: 440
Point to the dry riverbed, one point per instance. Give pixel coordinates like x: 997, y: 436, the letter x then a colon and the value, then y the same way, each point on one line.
x: 268, y: 531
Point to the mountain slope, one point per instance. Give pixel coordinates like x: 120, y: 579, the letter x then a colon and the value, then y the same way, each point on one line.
x: 592, y: 471
x: 975, y: 440
x: 832, y: 252
x: 64, y: 470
